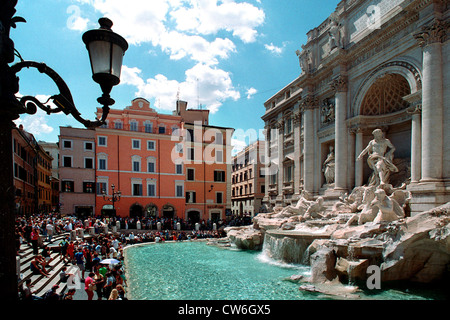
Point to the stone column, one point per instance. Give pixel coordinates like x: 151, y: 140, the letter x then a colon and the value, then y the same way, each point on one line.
x: 430, y: 39
x: 266, y: 164
x: 358, y: 164
x: 308, y: 105
x: 416, y: 143
x: 297, y: 152
x: 351, y: 158
x: 340, y: 86
x: 280, y: 128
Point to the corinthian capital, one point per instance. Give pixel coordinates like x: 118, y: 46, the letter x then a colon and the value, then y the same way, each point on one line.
x: 433, y: 33
x: 339, y: 84
x: 308, y: 102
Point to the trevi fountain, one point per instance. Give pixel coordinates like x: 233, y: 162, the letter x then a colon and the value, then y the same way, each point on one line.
x: 366, y: 238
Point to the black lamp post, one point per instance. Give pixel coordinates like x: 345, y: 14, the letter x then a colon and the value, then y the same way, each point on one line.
x: 115, y: 196
x: 106, y: 50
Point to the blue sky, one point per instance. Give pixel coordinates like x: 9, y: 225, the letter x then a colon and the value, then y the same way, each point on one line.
x: 227, y: 56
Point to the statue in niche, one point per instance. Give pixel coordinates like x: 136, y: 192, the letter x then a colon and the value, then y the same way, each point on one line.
x: 327, y: 113
x: 379, y: 160
x: 328, y: 166
x: 335, y: 33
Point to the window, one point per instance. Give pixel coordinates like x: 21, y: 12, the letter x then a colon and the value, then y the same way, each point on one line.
x: 67, y: 186
x: 101, y: 186
x: 219, y: 156
x: 288, y: 173
x: 136, y: 165
x: 88, y: 187
x: 118, y: 124
x: 137, y: 189
x: 133, y: 125
x: 88, y: 146
x: 191, y: 197
x: 179, y: 169
x: 151, y: 189
x: 151, y: 145
x: 273, y: 178
x: 102, y: 164
x: 102, y: 141
x: 190, y: 174
x: 148, y: 127
x: 67, y: 144
x: 135, y: 144
x: 288, y: 125
x: 151, y: 165
x: 219, y: 138
x: 190, y: 155
x: 219, y: 197
x: 162, y: 129
x: 67, y: 161
x: 219, y: 176
x: 179, y: 190
x: 179, y: 147
x: 190, y: 135
x: 89, y: 163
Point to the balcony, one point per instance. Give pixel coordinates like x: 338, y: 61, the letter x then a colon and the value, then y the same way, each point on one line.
x: 288, y: 187
x: 273, y: 189
x: 144, y: 129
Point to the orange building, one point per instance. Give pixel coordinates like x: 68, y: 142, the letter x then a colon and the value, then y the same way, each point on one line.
x: 25, y: 182
x: 142, y: 153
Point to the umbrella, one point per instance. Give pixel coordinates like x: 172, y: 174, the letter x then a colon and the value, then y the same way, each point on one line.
x: 110, y: 261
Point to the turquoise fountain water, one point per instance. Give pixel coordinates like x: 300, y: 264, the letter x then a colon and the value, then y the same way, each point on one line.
x: 196, y: 271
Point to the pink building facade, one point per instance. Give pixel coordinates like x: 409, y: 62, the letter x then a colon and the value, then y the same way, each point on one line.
x: 77, y: 171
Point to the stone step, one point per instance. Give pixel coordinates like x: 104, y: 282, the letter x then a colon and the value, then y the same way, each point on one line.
x: 41, y: 283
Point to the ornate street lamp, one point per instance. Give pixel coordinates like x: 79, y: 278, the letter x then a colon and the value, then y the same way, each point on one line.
x: 115, y: 196
x: 106, y: 50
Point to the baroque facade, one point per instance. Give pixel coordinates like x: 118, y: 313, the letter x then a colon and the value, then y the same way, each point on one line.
x: 372, y: 64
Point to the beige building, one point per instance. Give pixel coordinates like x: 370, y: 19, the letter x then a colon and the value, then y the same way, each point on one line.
x: 77, y: 171
x: 371, y: 64
x: 248, y: 180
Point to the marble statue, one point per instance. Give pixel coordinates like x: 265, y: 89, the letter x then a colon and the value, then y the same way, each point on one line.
x: 298, y: 209
x: 314, y: 209
x: 388, y: 208
x: 368, y: 212
x: 379, y: 160
x: 305, y: 59
x: 328, y: 167
x: 336, y: 33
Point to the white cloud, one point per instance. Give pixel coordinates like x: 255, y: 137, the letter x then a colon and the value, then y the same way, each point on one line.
x: 250, y: 92
x: 238, y: 146
x: 183, y: 29
x: 179, y: 45
x: 274, y: 49
x: 208, y: 17
x: 204, y: 84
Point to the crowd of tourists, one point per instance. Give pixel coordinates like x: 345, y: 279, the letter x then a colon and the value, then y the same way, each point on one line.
x: 106, y: 280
